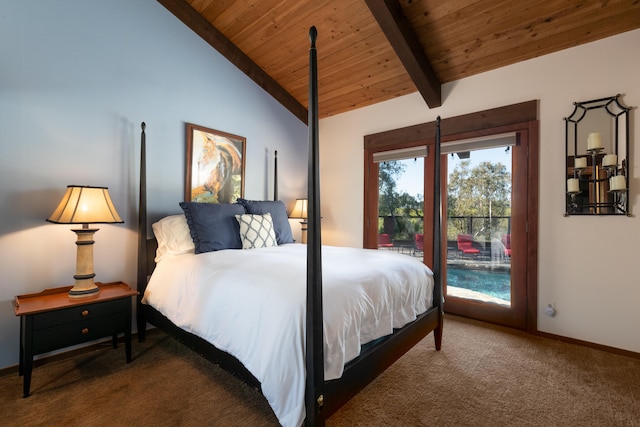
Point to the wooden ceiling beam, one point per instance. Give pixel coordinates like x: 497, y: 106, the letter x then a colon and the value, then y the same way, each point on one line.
x: 405, y: 43
x: 192, y: 19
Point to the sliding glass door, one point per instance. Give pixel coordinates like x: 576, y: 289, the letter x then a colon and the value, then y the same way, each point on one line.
x: 485, y: 275
x: 489, y: 201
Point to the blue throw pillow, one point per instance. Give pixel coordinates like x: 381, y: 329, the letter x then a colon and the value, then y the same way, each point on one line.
x: 278, y: 215
x: 213, y: 226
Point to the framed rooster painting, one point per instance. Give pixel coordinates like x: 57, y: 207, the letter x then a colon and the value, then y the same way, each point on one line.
x: 215, y: 166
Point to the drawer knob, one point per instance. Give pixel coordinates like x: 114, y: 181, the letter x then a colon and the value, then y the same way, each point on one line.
x: 85, y: 312
x: 85, y: 331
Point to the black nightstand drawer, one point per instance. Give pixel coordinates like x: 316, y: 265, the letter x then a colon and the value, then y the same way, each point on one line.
x: 78, y: 313
x: 78, y: 332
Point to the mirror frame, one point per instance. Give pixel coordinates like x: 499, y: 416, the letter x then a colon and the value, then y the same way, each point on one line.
x: 591, y: 190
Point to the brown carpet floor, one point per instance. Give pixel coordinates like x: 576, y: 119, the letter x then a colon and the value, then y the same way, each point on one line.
x: 484, y: 376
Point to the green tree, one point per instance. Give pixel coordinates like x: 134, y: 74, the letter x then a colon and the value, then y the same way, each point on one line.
x: 481, y: 191
x: 404, y: 211
x: 388, y: 173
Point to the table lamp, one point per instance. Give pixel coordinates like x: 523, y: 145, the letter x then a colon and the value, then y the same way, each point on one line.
x: 300, y: 212
x: 85, y: 205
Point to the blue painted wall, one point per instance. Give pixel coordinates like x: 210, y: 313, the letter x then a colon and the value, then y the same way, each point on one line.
x: 76, y: 79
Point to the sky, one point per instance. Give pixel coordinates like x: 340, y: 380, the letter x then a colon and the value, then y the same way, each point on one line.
x: 411, y: 179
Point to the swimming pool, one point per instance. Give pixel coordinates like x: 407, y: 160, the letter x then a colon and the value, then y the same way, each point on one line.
x: 496, y: 283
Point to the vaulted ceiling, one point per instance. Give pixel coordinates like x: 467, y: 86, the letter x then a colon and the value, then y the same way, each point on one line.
x: 374, y: 50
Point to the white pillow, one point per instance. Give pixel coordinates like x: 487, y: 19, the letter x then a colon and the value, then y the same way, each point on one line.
x: 174, y: 238
x: 256, y: 231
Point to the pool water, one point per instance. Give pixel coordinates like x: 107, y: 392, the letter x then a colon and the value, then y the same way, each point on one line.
x: 495, y: 283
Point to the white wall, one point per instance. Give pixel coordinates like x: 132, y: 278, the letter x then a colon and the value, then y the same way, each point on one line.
x: 587, y: 265
x: 77, y: 78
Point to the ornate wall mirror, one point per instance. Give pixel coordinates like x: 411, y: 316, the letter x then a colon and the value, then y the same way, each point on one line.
x: 597, y: 169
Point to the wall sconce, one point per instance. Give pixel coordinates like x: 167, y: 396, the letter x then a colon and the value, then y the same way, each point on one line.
x: 300, y: 212
x: 85, y: 205
x: 598, y: 161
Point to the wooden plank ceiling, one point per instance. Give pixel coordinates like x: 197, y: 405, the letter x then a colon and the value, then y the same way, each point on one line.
x: 374, y: 50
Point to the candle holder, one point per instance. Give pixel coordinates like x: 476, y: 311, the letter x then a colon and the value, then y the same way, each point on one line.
x: 573, y: 204
x: 597, y: 158
x: 604, y: 192
x: 619, y: 198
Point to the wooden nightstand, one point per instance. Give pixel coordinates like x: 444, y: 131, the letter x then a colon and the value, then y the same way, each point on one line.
x: 51, y: 320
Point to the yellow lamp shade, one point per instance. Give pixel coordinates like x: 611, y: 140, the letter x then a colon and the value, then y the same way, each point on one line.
x: 300, y: 209
x: 85, y: 205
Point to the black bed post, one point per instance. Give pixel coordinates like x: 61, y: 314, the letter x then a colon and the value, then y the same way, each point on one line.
x: 275, y: 175
x: 314, y: 360
x: 142, y: 237
x: 437, y: 240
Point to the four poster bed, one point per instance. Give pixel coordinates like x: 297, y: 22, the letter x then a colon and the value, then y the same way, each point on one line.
x: 310, y: 360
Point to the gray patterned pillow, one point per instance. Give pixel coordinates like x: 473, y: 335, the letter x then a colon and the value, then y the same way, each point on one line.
x: 256, y: 231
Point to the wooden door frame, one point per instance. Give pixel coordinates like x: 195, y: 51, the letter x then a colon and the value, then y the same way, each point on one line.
x: 517, y: 314
x: 516, y: 117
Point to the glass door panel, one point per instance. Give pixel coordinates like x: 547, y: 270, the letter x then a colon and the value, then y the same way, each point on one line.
x: 401, y: 206
x: 479, y: 225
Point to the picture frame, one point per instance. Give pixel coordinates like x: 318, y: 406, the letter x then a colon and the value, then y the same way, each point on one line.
x: 215, y: 165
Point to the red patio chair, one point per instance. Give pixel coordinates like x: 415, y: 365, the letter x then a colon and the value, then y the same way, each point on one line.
x: 418, y: 245
x: 384, y: 241
x: 465, y: 245
x: 506, y: 241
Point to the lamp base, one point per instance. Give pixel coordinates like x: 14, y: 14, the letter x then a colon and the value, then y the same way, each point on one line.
x: 85, y: 286
x: 303, y: 233
x: 79, y: 293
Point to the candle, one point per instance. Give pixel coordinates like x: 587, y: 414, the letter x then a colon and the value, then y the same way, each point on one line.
x: 573, y: 185
x: 594, y: 141
x: 610, y: 160
x: 617, y: 182
x: 581, y: 162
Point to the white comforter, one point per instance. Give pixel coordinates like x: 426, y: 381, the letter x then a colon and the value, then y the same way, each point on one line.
x: 251, y: 303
